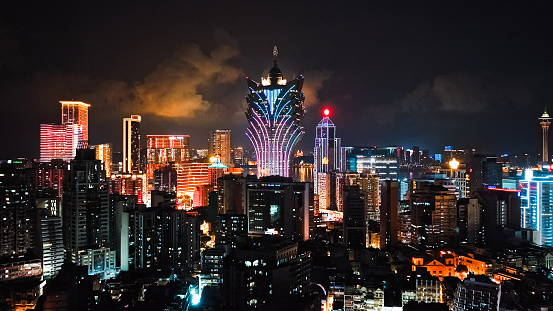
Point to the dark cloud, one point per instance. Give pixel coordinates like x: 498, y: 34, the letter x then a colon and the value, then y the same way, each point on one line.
x: 457, y: 92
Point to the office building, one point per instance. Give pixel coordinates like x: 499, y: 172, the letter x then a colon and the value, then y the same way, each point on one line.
x: 131, y: 144
x: 85, y: 206
x: 219, y: 145
x: 104, y: 154
x: 275, y: 111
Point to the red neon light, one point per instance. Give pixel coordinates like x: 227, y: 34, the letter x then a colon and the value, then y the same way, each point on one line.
x: 326, y: 112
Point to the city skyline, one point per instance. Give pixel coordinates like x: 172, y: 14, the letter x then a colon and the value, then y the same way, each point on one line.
x: 420, y: 82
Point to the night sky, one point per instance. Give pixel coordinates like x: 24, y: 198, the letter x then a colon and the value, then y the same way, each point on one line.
x: 410, y: 73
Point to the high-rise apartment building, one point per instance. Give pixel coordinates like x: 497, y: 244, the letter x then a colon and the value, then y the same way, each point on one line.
x: 85, y: 205
x: 104, y: 153
x: 275, y: 111
x: 433, y: 214
x: 17, y: 208
x: 131, y: 144
x: 389, y: 214
x: 75, y: 112
x: 278, y: 204
x: 51, y: 242
x: 219, y: 145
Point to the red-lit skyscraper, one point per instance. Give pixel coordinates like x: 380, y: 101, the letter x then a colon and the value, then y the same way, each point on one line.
x: 75, y: 112
x: 59, y: 141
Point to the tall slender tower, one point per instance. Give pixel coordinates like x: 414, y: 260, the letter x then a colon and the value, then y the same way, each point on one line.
x: 275, y: 110
x: 327, y: 148
x: 545, y: 121
x: 131, y: 144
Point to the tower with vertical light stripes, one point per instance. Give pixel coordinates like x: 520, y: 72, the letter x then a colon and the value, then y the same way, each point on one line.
x: 275, y: 111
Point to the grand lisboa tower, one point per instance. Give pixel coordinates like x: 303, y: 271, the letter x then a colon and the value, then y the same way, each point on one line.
x: 275, y: 110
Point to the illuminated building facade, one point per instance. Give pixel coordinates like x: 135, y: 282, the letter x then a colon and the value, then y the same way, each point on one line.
x: 380, y: 160
x: 131, y: 144
x: 75, y: 112
x: 275, y: 111
x: 219, y: 145
x: 163, y: 149
x: 59, y: 141
x: 189, y: 176
x: 104, y: 154
x: 128, y: 184
x: 536, y: 205
x: 327, y: 154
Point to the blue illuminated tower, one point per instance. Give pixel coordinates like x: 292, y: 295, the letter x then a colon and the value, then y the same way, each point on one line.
x: 275, y: 110
x: 327, y: 148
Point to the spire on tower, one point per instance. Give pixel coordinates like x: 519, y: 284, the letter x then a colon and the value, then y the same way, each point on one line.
x: 275, y: 55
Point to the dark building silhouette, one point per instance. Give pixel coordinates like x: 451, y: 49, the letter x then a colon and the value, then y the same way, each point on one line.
x: 389, y: 214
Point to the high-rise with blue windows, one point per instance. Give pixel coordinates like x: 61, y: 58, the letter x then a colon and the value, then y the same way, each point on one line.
x: 275, y: 111
x: 536, y: 196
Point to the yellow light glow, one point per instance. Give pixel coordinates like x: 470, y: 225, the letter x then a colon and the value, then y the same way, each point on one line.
x: 454, y: 164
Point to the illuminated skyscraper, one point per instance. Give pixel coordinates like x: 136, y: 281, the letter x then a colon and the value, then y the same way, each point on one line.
x: 163, y: 149
x: 59, y: 141
x: 536, y: 205
x: 131, y: 144
x: 327, y: 152
x: 275, y: 110
x: 545, y: 121
x: 219, y: 144
x: 75, y: 112
x: 104, y: 154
